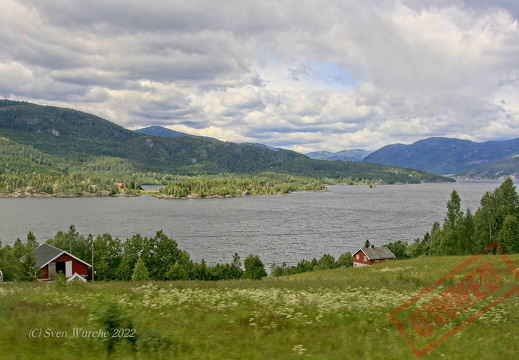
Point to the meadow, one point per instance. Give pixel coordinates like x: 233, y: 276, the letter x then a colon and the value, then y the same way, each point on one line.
x: 333, y: 314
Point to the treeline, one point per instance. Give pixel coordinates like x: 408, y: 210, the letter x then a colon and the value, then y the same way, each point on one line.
x: 240, y: 185
x: 464, y: 233
x: 73, y: 184
x: 137, y: 258
x: 324, y: 263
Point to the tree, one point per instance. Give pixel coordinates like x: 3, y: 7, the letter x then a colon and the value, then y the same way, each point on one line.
x: 254, y: 268
x: 31, y: 243
x: 28, y: 269
x: 399, y: 249
x: 466, y: 246
x: 508, y: 236
x: 107, y: 257
x: 344, y: 260
x: 131, y: 251
x: 495, y: 206
x: 72, y: 242
x: 140, y: 272
x: 452, y: 230
x: 454, y: 214
x: 367, y: 244
x: 416, y: 248
x: 236, y: 271
x: 326, y: 262
x: 160, y: 254
x: 200, y: 271
x: 9, y: 263
x: 305, y: 265
x: 182, y: 269
x: 435, y: 240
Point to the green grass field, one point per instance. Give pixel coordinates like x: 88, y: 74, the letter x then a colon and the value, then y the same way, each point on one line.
x: 334, y: 314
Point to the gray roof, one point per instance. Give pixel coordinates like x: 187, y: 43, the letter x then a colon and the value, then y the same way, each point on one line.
x: 45, y: 253
x: 378, y: 253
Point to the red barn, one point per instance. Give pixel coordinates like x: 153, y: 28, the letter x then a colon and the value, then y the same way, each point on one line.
x: 51, y: 260
x: 372, y: 255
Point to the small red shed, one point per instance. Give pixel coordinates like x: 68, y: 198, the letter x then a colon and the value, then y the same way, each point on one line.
x: 51, y: 260
x: 372, y: 255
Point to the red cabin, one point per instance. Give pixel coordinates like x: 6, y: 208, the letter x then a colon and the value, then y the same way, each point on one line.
x: 372, y: 255
x: 51, y: 260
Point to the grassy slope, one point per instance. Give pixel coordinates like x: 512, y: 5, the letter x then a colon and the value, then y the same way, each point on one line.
x: 336, y: 314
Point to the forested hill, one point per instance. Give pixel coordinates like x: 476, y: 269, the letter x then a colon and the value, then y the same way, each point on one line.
x: 498, y: 170
x: 446, y: 156
x: 52, y: 140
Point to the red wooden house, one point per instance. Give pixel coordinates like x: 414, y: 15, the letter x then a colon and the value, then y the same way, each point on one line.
x: 372, y: 255
x: 51, y: 260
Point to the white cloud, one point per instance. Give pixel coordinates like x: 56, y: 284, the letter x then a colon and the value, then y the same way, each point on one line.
x: 301, y: 74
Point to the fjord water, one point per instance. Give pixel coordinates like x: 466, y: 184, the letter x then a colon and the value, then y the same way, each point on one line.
x: 278, y: 228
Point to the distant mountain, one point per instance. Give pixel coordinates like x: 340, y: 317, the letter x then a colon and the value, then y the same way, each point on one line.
x: 51, y: 140
x: 165, y: 132
x: 444, y: 156
x: 344, y: 155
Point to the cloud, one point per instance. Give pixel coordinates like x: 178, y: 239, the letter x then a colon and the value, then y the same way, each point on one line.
x: 296, y: 74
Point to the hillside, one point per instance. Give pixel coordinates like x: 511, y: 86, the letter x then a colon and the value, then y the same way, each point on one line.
x: 444, y: 155
x: 508, y: 167
x: 51, y: 140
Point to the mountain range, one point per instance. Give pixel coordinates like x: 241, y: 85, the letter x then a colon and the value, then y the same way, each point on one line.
x: 447, y: 156
x: 438, y: 155
x: 53, y: 140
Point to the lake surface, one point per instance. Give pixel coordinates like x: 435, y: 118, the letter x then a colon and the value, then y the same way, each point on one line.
x: 277, y: 228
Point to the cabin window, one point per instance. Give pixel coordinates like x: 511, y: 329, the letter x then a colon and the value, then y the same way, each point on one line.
x: 358, y: 257
x: 376, y: 260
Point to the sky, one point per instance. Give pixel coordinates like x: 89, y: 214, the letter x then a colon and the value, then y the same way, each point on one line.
x: 298, y: 74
